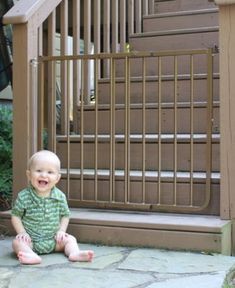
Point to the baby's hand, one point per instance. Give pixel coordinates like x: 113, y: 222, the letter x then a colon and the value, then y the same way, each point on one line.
x: 61, y: 236
x: 23, y: 236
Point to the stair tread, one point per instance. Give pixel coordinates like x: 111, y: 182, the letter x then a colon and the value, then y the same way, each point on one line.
x: 149, y: 220
x: 138, y: 173
x: 149, y: 105
x: 163, y: 78
x: 182, y: 13
x: 176, y: 31
x: 139, y: 137
x: 145, y: 220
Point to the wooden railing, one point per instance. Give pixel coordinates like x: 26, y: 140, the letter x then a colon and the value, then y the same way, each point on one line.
x: 35, y: 24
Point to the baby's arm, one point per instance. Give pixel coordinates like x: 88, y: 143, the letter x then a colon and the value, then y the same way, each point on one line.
x: 61, y: 233
x: 20, y: 230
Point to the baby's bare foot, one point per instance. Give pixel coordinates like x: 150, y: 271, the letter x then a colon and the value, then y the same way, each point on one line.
x: 82, y: 256
x: 29, y: 258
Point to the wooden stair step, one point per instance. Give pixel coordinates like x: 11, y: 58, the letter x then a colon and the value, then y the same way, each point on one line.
x: 151, y: 118
x: 147, y: 229
x: 183, y: 83
x: 151, y: 146
x: 138, y: 138
x: 183, y: 5
x: 200, y: 66
x: 198, y: 177
x: 159, y: 230
x: 194, y: 38
x: 181, y: 19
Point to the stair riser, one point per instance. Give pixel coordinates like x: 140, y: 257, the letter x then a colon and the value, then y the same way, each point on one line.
x: 167, y: 88
x: 175, y: 42
x: 136, y: 121
x: 136, y: 156
x: 180, y: 22
x: 200, y: 66
x: 183, y: 5
x: 151, y: 188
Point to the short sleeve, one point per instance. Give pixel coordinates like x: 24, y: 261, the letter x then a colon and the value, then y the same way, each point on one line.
x: 64, y: 211
x: 18, y: 207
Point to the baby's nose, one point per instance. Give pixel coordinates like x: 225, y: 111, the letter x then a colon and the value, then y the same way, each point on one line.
x: 44, y: 173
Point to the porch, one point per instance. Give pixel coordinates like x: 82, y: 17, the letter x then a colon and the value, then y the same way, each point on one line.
x: 146, y: 133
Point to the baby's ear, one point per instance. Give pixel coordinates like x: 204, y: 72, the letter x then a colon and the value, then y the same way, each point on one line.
x: 58, y: 177
x: 28, y: 174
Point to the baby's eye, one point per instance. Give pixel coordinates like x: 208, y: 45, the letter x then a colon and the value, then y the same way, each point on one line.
x: 50, y: 172
x: 38, y: 170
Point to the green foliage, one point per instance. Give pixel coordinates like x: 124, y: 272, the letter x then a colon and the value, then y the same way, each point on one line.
x: 5, y: 156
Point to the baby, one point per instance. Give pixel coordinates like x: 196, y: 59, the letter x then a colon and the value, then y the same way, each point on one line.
x: 40, y: 215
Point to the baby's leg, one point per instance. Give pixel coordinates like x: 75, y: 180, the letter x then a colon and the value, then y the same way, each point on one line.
x: 25, y: 253
x: 73, y: 252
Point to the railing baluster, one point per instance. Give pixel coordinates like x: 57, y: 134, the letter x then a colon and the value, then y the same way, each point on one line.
x: 106, y: 38
x: 131, y: 17
x: 87, y: 49
x: 41, y: 107
x: 151, y: 6
x: 76, y: 63
x: 97, y: 26
x: 64, y: 51
x: 138, y: 16
x: 97, y: 32
x: 51, y: 82
x: 122, y: 25
x: 114, y: 26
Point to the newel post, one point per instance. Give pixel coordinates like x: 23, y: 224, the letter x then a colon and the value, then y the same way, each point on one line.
x: 24, y: 101
x: 227, y: 109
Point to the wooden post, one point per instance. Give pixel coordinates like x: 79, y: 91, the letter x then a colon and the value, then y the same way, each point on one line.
x: 26, y: 17
x: 227, y: 107
x: 24, y: 112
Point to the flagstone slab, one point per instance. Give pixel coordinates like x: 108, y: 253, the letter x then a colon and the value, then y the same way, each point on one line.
x: 163, y: 261
x: 213, y: 280
x: 80, y: 278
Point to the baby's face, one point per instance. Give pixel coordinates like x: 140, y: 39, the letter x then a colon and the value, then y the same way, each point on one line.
x: 43, y: 175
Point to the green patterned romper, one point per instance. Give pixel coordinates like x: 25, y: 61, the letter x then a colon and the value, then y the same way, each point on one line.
x: 41, y: 216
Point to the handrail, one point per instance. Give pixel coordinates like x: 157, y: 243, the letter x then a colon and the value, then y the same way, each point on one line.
x: 23, y: 10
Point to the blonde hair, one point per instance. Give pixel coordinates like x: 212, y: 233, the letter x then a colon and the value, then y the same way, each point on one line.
x: 44, y: 153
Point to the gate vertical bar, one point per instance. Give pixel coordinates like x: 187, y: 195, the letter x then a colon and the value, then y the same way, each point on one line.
x: 175, y: 126
x: 191, y: 127
x: 127, y: 129
x: 159, y: 127
x: 82, y: 131
x: 209, y: 123
x: 143, y: 129
x: 96, y: 126
x: 68, y: 128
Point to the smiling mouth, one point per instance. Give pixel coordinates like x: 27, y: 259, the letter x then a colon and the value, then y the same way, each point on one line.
x: 42, y: 182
